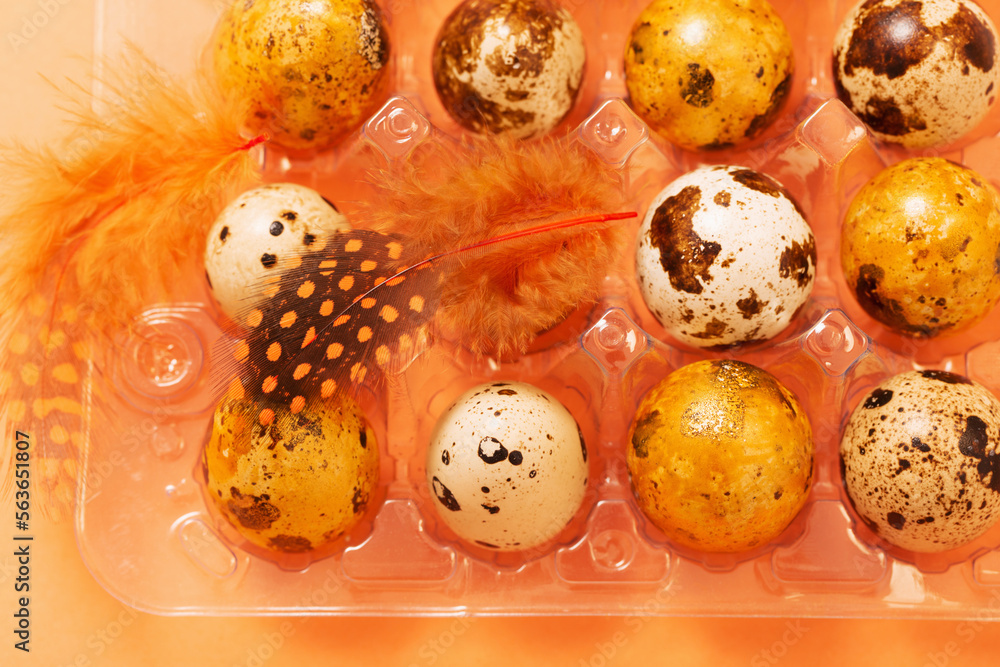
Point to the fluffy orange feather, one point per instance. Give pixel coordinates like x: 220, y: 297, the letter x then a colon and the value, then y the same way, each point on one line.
x: 497, y: 300
x: 93, y: 230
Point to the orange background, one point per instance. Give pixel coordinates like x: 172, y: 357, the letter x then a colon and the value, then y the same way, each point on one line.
x: 74, y: 621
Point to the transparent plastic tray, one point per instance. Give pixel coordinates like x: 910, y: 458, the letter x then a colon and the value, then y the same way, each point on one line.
x: 148, y: 536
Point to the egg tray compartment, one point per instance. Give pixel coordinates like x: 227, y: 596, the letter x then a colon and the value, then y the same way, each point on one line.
x: 147, y: 535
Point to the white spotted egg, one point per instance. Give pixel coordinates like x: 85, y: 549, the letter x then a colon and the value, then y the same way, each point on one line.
x: 920, y: 460
x: 509, y: 67
x: 257, y: 232
x: 725, y: 256
x: 507, y: 466
x: 917, y: 73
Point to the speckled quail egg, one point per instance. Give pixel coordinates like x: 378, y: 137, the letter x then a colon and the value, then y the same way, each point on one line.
x: 917, y: 73
x: 920, y: 247
x: 708, y: 73
x: 257, y: 232
x: 920, y: 458
x: 720, y: 456
x: 295, y: 482
x: 507, y: 466
x: 725, y: 256
x: 310, y: 71
x: 509, y: 67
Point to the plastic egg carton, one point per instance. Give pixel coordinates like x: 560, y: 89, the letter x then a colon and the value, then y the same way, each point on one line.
x: 148, y: 536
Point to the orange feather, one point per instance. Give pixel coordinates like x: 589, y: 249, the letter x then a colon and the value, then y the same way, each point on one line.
x: 94, y: 230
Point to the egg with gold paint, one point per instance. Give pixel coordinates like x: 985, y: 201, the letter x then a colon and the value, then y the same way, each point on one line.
x: 510, y: 67
x: 917, y: 73
x: 311, y: 72
x: 720, y: 456
x: 920, y: 247
x: 708, y: 74
x: 291, y: 483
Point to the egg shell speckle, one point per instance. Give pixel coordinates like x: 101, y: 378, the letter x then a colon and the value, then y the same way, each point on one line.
x: 720, y: 456
x: 507, y: 466
x: 297, y: 484
x: 920, y: 459
x: 510, y: 66
x: 311, y: 72
x: 725, y: 256
x: 708, y: 74
x: 258, y: 233
x: 917, y: 73
x: 920, y: 247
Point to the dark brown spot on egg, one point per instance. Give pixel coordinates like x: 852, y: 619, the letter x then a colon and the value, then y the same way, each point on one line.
x: 722, y: 198
x: 253, y: 512
x: 885, y: 310
x: 697, y: 89
x: 224, y: 233
x: 359, y: 501
x: 507, y: 392
x: 888, y: 40
x: 268, y: 260
x: 515, y: 458
x: 445, y: 496
x: 885, y: 116
x: 878, y: 398
x: 492, y: 509
x: 919, y: 445
x: 796, y: 260
x: 714, y: 329
x: 293, y: 544
x: 276, y: 228
x: 486, y: 544
x: 331, y: 204
x: 896, y: 520
x: 778, y: 97
x: 308, y: 239
x: 492, y: 451
x: 751, y: 305
x: 645, y: 428
x: 290, y: 216
x: 945, y: 376
x: 684, y: 255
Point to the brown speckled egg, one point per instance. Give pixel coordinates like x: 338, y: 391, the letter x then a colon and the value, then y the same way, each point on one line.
x: 297, y: 483
x: 708, y: 73
x: 920, y: 247
x: 724, y: 256
x: 920, y: 458
x: 507, y: 466
x: 311, y: 70
x: 917, y: 73
x: 258, y: 233
x: 509, y: 67
x: 720, y: 456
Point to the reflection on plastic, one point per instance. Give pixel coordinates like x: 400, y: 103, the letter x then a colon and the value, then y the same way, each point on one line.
x: 399, y: 549
x: 611, y: 550
x: 204, y: 547
x: 833, y: 132
x: 613, y: 132
x: 397, y: 128
x: 615, y: 341
x: 835, y: 342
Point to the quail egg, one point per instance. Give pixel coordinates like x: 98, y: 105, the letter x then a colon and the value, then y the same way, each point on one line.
x: 507, y: 466
x: 708, y: 74
x: 917, y: 73
x: 291, y: 483
x: 920, y: 247
x: 509, y: 67
x: 920, y: 459
x: 256, y: 233
x: 725, y: 256
x: 720, y: 455
x: 310, y: 72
